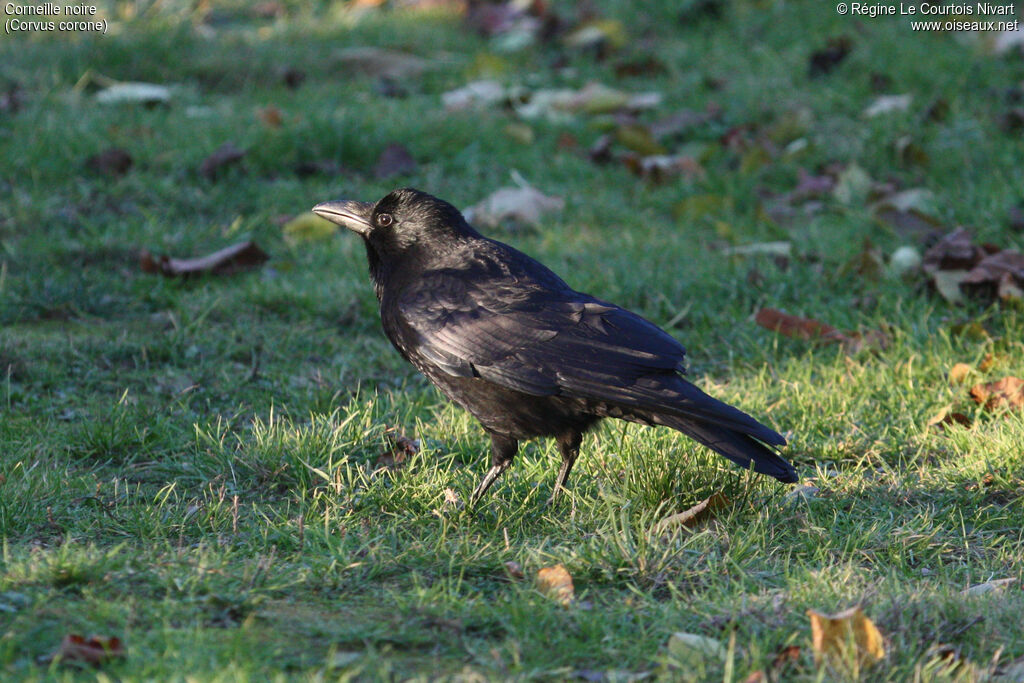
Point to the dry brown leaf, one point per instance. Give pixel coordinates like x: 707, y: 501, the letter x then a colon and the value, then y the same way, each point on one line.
x: 270, y: 116
x: 988, y: 587
x: 786, y: 656
x: 955, y: 251
x: 947, y: 416
x: 227, y: 261
x: 225, y: 156
x: 701, y: 512
x: 659, y: 168
x: 514, y: 570
x: 958, y: 373
x: 833, y: 634
x: 855, y: 342
x: 94, y: 650
x: 395, y: 160
x: 795, y: 326
x: 826, y: 59
x: 999, y: 275
x: 113, y: 162
x: 402, y: 448
x: 556, y: 583
x: 1005, y: 393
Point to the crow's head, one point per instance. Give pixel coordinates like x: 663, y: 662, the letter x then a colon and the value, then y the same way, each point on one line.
x: 403, y: 221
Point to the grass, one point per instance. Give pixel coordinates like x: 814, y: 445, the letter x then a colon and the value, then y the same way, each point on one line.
x: 190, y: 466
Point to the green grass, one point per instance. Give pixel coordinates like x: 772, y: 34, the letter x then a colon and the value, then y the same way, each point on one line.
x: 190, y: 466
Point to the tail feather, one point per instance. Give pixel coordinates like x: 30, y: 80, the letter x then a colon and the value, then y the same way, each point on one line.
x: 741, y: 448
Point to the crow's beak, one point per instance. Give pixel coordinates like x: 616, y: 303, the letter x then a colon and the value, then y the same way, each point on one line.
x: 349, y: 214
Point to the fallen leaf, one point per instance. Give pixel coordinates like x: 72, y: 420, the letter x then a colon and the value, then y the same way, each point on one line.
x: 401, y: 449
x: 826, y: 59
x: 94, y: 650
x: 601, y: 34
x: 556, y: 583
x: 134, y: 93
x: 270, y: 116
x: 1012, y: 120
x: 514, y: 570
x: 988, y: 587
x: 867, y: 263
x: 311, y: 167
x: 1007, y: 392
x: 795, y: 326
x: 308, y: 227
x: 692, y: 651
x: 593, y: 98
x: 997, y: 276
x: 380, y: 62
x: 833, y: 634
x: 293, y: 77
x: 682, y: 122
x: 852, y: 185
x: 786, y: 656
x: 113, y: 162
x: 759, y: 248
x: 888, y: 104
x: 810, y: 186
x: 659, y: 168
x: 395, y: 160
x: 857, y: 341
x: 949, y: 260
x: 223, y: 157
x: 958, y: 373
x: 638, y: 138
x: 513, y: 207
x: 700, y: 206
x: 475, y: 95
x: 947, y: 416
x: 1012, y: 672
x: 701, y: 512
x: 521, y: 133
x: 641, y: 66
x: 227, y: 261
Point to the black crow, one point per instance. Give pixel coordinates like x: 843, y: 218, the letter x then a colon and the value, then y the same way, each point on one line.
x: 528, y: 356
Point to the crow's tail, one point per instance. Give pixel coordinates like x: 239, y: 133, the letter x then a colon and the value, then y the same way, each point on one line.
x: 741, y: 448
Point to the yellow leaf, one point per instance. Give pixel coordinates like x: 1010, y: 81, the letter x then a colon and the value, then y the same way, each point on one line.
x: 958, y: 373
x: 308, y: 227
x: 556, y: 583
x: 701, y: 512
x: 833, y: 634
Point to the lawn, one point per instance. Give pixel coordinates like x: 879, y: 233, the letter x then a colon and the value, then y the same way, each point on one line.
x: 211, y: 469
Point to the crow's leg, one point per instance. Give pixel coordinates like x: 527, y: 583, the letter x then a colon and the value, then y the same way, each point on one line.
x: 503, y: 450
x: 569, y: 444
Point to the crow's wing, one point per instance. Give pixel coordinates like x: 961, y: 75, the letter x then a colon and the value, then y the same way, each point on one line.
x: 544, y: 339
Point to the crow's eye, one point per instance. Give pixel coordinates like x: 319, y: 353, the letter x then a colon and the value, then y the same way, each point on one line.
x: 384, y: 220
